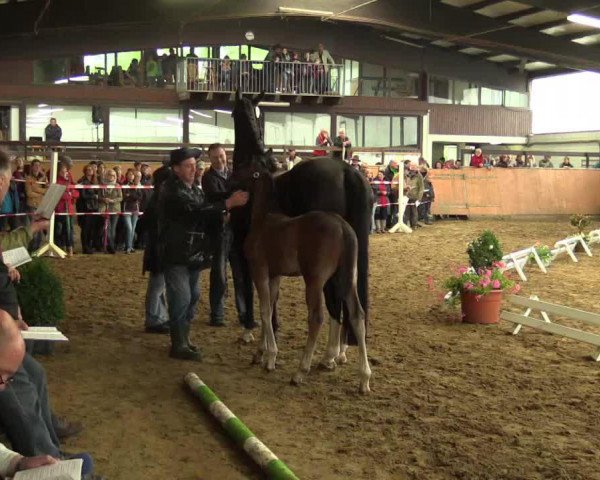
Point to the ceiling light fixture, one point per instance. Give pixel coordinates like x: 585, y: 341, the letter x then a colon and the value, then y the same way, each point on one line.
x: 405, y: 42
x: 273, y: 104
x: 584, y: 20
x: 225, y: 112
x: 304, y: 11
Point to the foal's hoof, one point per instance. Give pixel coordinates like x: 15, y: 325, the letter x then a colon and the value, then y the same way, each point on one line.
x: 247, y: 337
x: 297, y: 379
x: 364, y: 389
x: 328, y: 365
x: 341, y: 359
x: 257, y: 358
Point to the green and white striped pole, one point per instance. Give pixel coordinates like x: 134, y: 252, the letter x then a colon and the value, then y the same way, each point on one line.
x: 238, y: 432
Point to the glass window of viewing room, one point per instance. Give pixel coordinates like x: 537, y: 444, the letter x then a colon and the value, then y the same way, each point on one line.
x: 465, y: 93
x: 377, y: 131
x: 439, y: 90
x: 139, y: 125
x: 210, y: 126
x: 76, y: 122
x: 300, y: 129
x: 491, y: 96
x: 353, y: 126
x: 516, y: 99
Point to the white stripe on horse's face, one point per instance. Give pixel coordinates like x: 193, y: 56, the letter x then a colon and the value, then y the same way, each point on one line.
x: 257, y: 112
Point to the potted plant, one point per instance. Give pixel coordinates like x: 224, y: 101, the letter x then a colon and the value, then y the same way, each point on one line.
x: 544, y: 252
x: 479, y: 287
x: 580, y: 222
x: 41, y: 299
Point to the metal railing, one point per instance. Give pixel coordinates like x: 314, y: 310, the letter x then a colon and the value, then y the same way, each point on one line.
x: 289, y: 78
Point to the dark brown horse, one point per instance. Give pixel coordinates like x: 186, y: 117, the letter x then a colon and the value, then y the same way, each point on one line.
x: 319, y: 246
x: 323, y: 184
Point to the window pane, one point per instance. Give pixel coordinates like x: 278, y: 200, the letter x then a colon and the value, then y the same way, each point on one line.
x: 465, y: 93
x: 411, y: 132
x: 370, y: 70
x: 516, y: 99
x: 490, y: 96
x: 298, y: 129
x: 145, y: 125
x: 49, y: 70
x: 406, y: 86
x: 439, y: 90
x: 232, y: 51
x: 124, y: 58
x: 396, y: 131
x: 373, y: 88
x: 75, y: 122
x: 200, y: 52
x: 353, y: 125
x: 377, y: 131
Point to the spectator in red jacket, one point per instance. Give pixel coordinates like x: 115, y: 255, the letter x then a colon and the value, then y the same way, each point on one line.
x: 477, y: 160
x: 323, y: 140
x: 63, y: 231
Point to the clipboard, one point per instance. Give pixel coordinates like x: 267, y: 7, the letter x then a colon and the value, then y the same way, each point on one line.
x: 50, y: 200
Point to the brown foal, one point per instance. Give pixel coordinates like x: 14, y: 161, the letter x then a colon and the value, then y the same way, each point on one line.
x: 316, y: 246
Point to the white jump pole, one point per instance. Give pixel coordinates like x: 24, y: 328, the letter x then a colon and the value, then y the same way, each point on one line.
x: 51, y: 248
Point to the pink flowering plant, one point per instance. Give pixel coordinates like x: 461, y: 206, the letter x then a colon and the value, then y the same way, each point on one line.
x: 486, y: 273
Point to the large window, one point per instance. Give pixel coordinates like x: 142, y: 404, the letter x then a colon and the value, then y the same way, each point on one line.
x: 460, y: 92
x: 491, y: 96
x: 465, y: 93
x: 76, y: 122
x: 210, y: 126
x: 145, y: 125
x: 380, y: 130
x: 440, y: 90
x: 294, y: 128
x: 516, y: 99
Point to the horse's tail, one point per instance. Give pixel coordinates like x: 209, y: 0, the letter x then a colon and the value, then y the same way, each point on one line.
x: 359, y: 206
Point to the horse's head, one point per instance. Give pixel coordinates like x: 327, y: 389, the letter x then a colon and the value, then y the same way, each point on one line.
x: 244, y: 174
x: 248, y: 134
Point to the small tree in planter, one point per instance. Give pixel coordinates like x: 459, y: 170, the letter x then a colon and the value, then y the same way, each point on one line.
x: 480, y: 286
x: 580, y: 222
x: 41, y: 298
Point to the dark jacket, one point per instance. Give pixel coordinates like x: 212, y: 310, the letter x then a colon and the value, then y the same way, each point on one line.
x: 132, y: 198
x: 215, y: 186
x: 88, y: 198
x: 428, y: 191
x: 186, y: 222
x: 339, y: 142
x: 53, y: 133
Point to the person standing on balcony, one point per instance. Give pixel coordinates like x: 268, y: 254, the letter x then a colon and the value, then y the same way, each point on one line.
x: 323, y: 140
x: 343, y: 142
x: 53, y: 132
x: 325, y: 59
x: 192, y: 69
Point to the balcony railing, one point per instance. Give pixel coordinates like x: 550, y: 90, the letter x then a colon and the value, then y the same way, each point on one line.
x: 286, y: 78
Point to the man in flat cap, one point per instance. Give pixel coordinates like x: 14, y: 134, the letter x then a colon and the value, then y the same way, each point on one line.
x: 185, y: 220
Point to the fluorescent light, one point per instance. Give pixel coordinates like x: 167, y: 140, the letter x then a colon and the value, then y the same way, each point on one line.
x: 303, y: 11
x: 61, y: 81
x: 273, y: 104
x: 79, y: 78
x: 174, y: 119
x: 42, y: 105
x: 405, y: 42
x: 226, y: 112
x: 584, y: 20
x: 196, y: 112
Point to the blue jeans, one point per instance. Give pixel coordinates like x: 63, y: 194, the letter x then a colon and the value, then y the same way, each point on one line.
x: 25, y: 414
x: 156, y: 301
x: 110, y: 224
x: 130, y: 221
x: 218, y: 276
x: 183, y: 294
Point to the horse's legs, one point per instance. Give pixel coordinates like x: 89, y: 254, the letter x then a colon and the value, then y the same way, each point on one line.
x: 266, y: 296
x: 357, y: 320
x: 333, y: 344
x: 341, y: 358
x: 315, y: 319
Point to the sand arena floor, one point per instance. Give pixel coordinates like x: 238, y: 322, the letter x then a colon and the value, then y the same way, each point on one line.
x: 448, y: 400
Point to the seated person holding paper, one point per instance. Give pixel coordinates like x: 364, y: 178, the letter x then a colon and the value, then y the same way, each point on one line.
x: 12, y: 351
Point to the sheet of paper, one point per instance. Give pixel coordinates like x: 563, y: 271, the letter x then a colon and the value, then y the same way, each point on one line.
x: 65, y: 470
x: 16, y: 257
x: 50, y: 200
x: 51, y: 334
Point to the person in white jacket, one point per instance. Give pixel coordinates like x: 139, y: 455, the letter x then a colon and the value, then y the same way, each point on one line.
x: 12, y: 351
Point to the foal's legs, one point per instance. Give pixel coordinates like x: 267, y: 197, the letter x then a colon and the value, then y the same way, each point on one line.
x: 357, y: 320
x: 333, y: 344
x: 341, y: 358
x: 268, y: 347
x: 315, y: 319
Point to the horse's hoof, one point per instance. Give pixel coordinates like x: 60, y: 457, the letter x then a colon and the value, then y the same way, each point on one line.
x: 270, y: 365
x: 364, y: 389
x: 341, y: 359
x: 328, y: 365
x: 247, y: 337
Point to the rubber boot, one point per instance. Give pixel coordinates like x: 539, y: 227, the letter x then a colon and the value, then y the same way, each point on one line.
x: 190, y: 345
x: 179, y: 346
